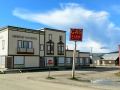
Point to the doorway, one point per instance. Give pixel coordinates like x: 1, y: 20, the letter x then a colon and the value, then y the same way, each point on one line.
x: 55, y: 61
x: 9, y: 62
x: 42, y: 62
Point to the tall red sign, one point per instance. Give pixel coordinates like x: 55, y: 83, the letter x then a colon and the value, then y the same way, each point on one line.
x: 76, y: 34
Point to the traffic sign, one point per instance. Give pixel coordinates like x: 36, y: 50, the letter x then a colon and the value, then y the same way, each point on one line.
x: 49, y: 61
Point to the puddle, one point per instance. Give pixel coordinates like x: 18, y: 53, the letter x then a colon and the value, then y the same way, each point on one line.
x: 105, y: 82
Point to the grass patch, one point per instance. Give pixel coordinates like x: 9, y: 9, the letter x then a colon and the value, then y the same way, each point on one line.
x: 117, y: 74
x: 1, y: 72
x: 75, y: 79
x: 50, y: 78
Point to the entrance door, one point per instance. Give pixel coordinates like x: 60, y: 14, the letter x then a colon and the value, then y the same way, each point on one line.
x: 55, y: 61
x: 9, y: 62
x: 42, y: 62
x: 84, y: 61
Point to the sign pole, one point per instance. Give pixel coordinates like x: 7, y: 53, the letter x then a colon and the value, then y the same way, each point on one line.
x: 75, y: 35
x: 49, y: 62
x: 74, y: 56
x: 49, y: 71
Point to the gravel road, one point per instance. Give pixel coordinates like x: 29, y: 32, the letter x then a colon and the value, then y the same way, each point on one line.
x: 37, y: 81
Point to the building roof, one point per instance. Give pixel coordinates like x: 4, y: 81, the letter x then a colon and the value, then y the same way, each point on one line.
x: 41, y: 30
x: 111, y: 56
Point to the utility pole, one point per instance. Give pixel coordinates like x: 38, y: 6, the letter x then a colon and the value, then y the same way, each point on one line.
x: 74, y: 57
x: 92, y: 56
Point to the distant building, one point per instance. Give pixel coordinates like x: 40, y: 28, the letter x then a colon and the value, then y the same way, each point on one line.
x: 110, y: 59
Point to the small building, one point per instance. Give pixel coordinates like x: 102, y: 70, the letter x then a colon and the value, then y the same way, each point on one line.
x: 110, y: 59
x: 96, y: 60
x: 84, y: 58
x: 69, y: 57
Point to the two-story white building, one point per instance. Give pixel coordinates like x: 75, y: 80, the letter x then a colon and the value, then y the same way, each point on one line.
x: 28, y: 48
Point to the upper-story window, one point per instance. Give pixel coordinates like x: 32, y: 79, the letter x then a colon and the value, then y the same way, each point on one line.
x: 19, y: 44
x: 50, y: 36
x: 41, y: 47
x: 50, y: 48
x: 3, y: 44
x: 29, y: 44
x: 24, y: 44
x: 60, y: 48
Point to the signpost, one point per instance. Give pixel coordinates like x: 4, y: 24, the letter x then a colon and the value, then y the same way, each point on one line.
x: 75, y: 35
x: 119, y: 56
x: 49, y: 62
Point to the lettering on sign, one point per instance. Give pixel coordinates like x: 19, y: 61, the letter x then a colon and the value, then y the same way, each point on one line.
x: 76, y: 34
x: 1, y: 37
x: 24, y: 37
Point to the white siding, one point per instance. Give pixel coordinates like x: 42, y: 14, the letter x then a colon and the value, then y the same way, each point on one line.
x: 31, y: 61
x: 4, y: 36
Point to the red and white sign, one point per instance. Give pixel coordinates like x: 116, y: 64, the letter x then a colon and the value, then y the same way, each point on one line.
x: 49, y: 61
x: 76, y: 34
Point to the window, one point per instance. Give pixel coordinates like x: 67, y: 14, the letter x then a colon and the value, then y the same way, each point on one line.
x: 50, y: 36
x: 76, y: 60
x: 60, y: 49
x: 61, y: 60
x: 87, y: 60
x: 18, y: 60
x: 50, y: 48
x: 2, y: 58
x: 3, y: 44
x: 29, y: 44
x: 19, y: 44
x: 60, y: 38
x: 81, y: 60
x: 25, y: 44
x: 41, y: 47
x: 109, y: 61
x: 68, y: 60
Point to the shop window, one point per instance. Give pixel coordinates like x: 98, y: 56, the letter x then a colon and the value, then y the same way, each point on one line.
x: 19, y: 60
x: 81, y: 60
